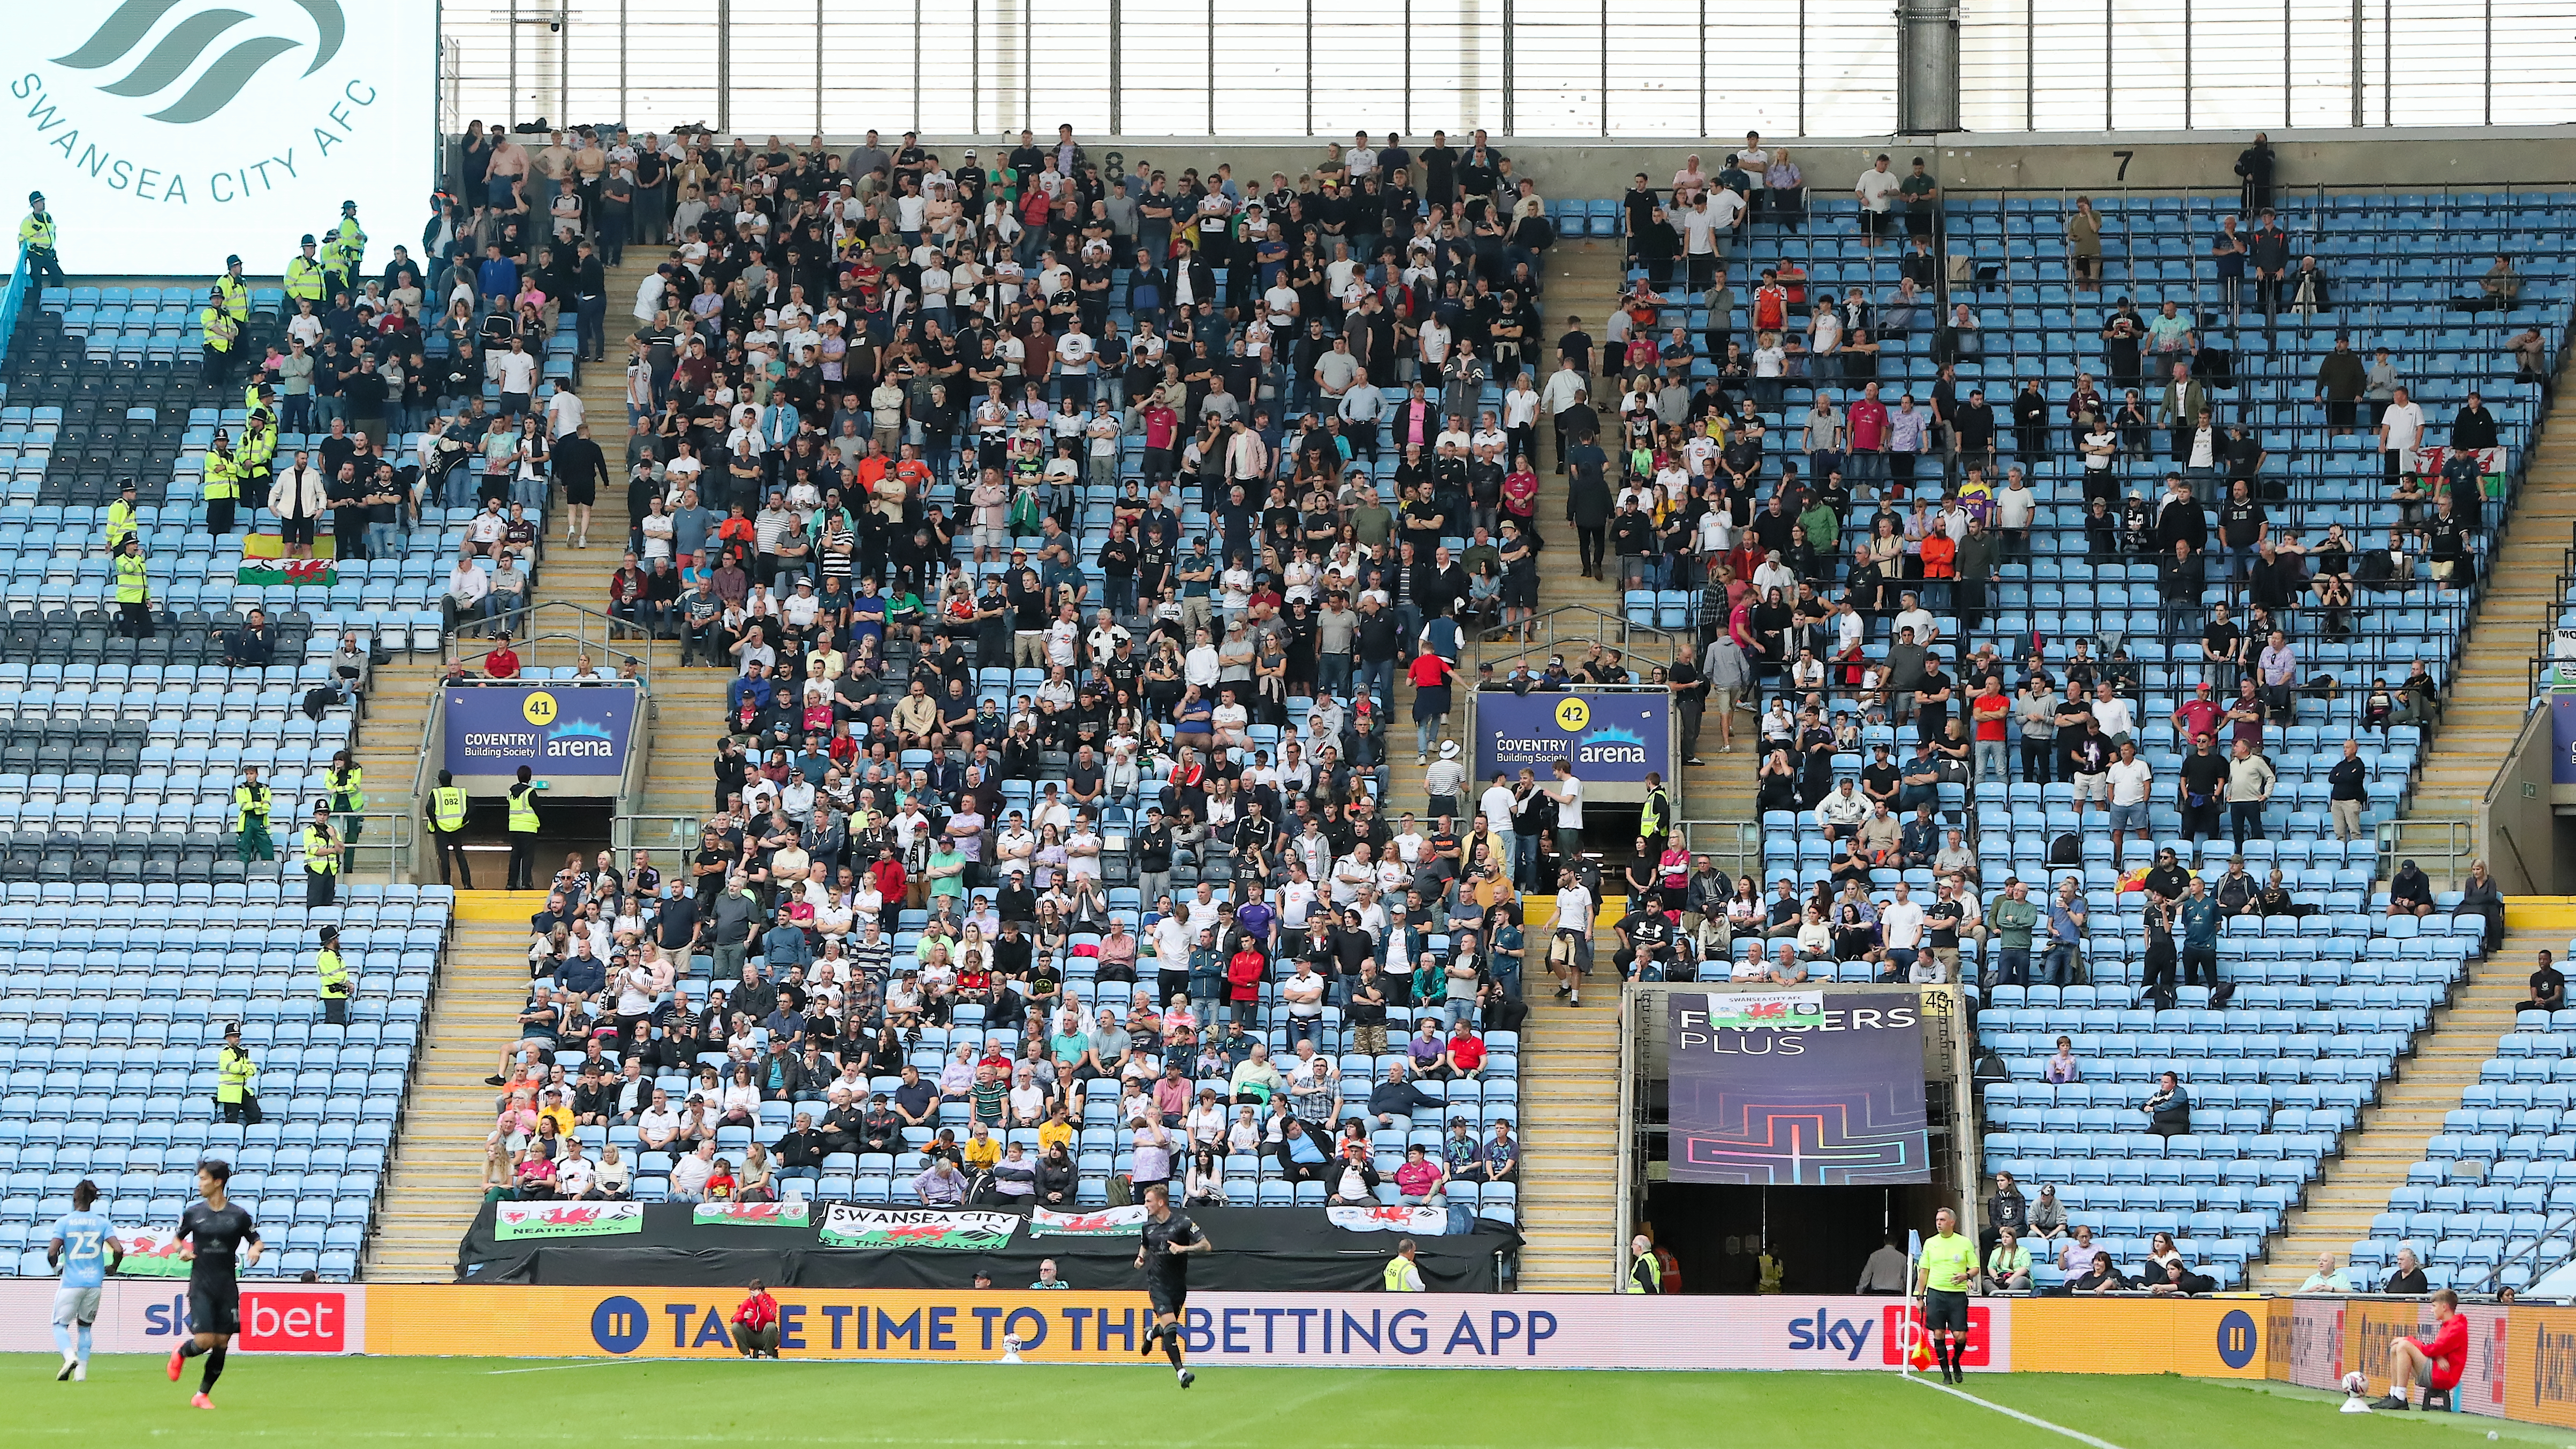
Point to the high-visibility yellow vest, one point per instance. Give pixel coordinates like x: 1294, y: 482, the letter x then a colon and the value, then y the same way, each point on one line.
x: 121, y: 522
x: 223, y: 478
x: 335, y: 975
x: 304, y: 280
x: 1645, y: 1275
x: 258, y: 446
x: 523, y: 809
x: 236, y: 296
x: 348, y: 796
x: 36, y: 231
x: 249, y: 800
x: 1402, y: 1276
x: 233, y: 1072
x: 1652, y: 819
x: 344, y: 244
x: 320, y: 856
x: 447, y: 808
x: 221, y: 329
x: 132, y: 583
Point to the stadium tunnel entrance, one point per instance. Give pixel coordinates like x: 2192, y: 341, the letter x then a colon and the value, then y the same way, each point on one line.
x: 1733, y: 1238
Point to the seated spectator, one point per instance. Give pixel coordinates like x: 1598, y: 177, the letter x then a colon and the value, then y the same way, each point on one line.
x: 1500, y: 1158
x: 1353, y: 1176
x: 1301, y: 1157
x: 2410, y: 891
x: 2047, y: 1217
x: 2169, y: 1109
x: 940, y: 1184
x: 691, y: 1174
x: 2548, y: 987
x: 2062, y: 1069
x: 253, y: 645
x: 2179, y: 1280
x: 2406, y: 1278
x: 1420, y: 1180
x: 2099, y: 1276
x: 2008, y: 1266
x: 2327, y: 1279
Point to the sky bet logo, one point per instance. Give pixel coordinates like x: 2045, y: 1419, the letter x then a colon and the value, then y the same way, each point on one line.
x: 1825, y: 1332
x: 272, y: 1321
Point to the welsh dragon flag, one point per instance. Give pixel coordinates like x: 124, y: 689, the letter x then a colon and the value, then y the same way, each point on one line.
x: 295, y: 572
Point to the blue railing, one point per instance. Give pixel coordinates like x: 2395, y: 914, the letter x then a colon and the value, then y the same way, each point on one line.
x: 21, y: 282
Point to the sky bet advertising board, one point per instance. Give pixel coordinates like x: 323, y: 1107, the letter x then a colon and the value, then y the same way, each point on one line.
x: 493, y: 729
x: 1611, y: 736
x: 166, y: 134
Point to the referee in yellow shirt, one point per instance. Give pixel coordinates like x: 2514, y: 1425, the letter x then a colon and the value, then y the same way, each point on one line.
x: 1944, y: 1275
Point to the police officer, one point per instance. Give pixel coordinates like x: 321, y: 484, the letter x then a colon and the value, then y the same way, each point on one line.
x: 257, y: 454
x: 334, y: 978
x: 348, y: 786
x: 522, y: 801
x: 447, y: 827
x: 344, y: 246
x: 321, y: 858
x: 36, y: 240
x: 251, y: 802
x: 305, y: 281
x: 223, y: 476
x: 222, y: 332
x: 234, y: 1072
x: 235, y: 289
x: 133, y: 590
x: 122, y: 522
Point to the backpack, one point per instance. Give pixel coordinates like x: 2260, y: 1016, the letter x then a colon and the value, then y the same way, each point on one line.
x: 2066, y: 849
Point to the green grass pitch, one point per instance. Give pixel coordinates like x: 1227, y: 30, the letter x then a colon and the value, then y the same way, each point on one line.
x: 588, y: 1403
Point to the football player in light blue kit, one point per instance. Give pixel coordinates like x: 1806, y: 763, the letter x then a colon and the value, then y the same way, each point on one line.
x: 86, y: 1250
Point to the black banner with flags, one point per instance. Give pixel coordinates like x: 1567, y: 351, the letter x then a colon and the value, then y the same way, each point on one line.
x: 1257, y: 1250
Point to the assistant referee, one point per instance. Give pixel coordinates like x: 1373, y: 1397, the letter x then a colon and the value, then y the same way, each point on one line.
x: 1944, y: 1275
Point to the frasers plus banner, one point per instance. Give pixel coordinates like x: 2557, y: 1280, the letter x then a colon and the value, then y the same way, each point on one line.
x: 166, y: 134
x: 1613, y: 737
x: 493, y: 729
x: 1816, y: 1087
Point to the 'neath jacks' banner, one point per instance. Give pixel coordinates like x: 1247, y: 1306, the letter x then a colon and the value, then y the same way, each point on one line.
x: 566, y: 1219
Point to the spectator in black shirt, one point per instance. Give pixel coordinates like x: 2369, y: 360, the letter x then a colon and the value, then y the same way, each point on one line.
x: 802, y: 1150
x: 2548, y: 987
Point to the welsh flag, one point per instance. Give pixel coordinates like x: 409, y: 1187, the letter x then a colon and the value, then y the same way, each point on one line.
x: 1117, y: 1222
x: 792, y: 1213
x: 849, y: 1226
x: 295, y: 572
x: 565, y: 1219
x: 150, y: 1253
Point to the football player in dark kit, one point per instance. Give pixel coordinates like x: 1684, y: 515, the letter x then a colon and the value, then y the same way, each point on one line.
x: 212, y: 1235
x: 1169, y: 1239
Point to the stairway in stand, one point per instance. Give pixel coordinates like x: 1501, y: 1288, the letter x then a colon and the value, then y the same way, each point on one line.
x: 1569, y: 1124
x: 2491, y: 691
x: 434, y: 1189
x: 2393, y: 1131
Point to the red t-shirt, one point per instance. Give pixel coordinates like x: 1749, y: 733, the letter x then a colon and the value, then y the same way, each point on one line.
x: 2199, y: 717
x: 757, y: 1311
x: 1428, y: 670
x: 1991, y: 729
x: 1468, y: 1052
x: 2448, y: 1348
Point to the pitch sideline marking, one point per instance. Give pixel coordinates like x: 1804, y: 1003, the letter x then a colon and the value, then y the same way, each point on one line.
x: 2031, y: 1419
x: 550, y: 1368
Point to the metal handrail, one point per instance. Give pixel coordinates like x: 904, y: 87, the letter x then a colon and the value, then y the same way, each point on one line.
x: 1580, y: 624
x: 2530, y: 1254
x: 641, y: 831
x: 1742, y: 847
x: 2453, y: 839
x: 539, y: 630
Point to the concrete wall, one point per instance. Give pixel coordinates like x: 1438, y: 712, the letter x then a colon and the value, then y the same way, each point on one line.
x: 2518, y: 826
